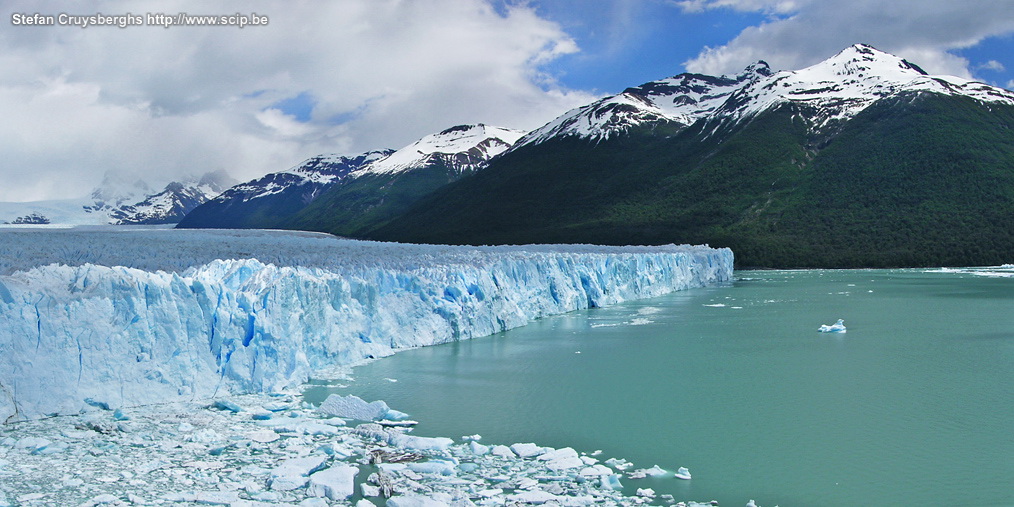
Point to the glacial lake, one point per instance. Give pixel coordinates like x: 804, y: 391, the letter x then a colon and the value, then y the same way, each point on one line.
x: 914, y: 405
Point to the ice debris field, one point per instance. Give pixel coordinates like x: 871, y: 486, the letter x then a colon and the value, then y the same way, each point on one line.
x: 260, y: 450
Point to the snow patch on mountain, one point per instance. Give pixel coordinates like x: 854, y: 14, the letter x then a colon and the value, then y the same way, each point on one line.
x: 315, y: 174
x: 682, y: 99
x: 463, y: 148
x: 840, y: 87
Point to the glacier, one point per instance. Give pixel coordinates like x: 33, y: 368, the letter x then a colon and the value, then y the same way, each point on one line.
x: 115, y: 317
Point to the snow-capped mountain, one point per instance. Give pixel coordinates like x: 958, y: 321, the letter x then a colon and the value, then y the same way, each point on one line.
x: 173, y: 203
x: 314, y: 174
x: 270, y: 201
x: 262, y: 202
x: 462, y: 148
x: 860, y: 160
x: 835, y: 89
x: 121, y: 200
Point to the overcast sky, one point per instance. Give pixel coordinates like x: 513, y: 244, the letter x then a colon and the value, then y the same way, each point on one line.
x: 347, y: 76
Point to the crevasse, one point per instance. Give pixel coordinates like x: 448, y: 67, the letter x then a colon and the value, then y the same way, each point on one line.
x: 110, y: 336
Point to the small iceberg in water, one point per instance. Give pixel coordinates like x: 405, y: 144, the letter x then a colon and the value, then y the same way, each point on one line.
x: 837, y: 327
x: 683, y: 473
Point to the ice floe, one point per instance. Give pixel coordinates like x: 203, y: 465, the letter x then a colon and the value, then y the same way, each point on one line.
x: 837, y: 327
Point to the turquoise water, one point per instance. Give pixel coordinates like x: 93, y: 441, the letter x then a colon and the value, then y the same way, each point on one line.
x: 914, y: 405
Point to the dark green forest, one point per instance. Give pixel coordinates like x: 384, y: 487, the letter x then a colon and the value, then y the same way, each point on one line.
x: 916, y: 180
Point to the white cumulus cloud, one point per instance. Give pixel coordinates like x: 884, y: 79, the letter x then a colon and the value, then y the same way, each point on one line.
x: 799, y: 33
x: 164, y: 102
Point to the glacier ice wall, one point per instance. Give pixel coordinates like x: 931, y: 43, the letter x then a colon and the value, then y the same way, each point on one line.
x: 112, y: 335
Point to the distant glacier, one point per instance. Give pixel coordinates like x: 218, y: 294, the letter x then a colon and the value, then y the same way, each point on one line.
x: 122, y: 317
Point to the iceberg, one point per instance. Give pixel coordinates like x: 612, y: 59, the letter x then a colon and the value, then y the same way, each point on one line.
x: 837, y: 327
x: 683, y: 473
x: 126, y: 318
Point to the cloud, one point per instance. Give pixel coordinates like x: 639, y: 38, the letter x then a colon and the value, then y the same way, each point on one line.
x: 768, y: 6
x: 164, y: 102
x: 992, y: 65
x: 803, y: 32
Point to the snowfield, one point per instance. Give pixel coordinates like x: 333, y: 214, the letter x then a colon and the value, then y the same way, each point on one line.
x: 119, y: 317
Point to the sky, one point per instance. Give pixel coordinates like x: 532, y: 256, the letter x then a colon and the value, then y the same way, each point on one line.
x: 347, y: 76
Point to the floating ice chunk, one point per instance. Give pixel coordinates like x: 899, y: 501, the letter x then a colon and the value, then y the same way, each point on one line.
x: 837, y: 327
x: 420, y: 443
x: 554, y: 454
x: 503, y: 451
x: 535, y: 497
x: 395, y: 415
x: 294, y: 472
x: 526, y: 450
x: 276, y: 406
x: 683, y: 473
x: 32, y: 444
x: 619, y: 464
x: 478, y: 449
x: 655, y: 471
x: 335, y: 483
x: 596, y: 471
x: 475, y: 437
x: 646, y: 492
x: 102, y: 500
x: 433, y: 467
x: 611, y: 482
x: 369, y: 490
x: 205, y: 497
x: 414, y: 501
x: 353, y: 407
x: 366, y: 503
x: 561, y: 459
x: 228, y: 406
x: 263, y: 436
x: 751, y: 504
x: 313, y: 502
x: 337, y: 450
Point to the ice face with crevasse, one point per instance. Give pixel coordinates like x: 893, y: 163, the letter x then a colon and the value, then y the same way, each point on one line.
x: 100, y: 318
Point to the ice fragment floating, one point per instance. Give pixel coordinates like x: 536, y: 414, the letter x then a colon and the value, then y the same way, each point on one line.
x: 837, y: 327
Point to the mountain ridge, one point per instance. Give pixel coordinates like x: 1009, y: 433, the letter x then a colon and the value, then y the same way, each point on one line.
x: 121, y: 199
x: 281, y: 200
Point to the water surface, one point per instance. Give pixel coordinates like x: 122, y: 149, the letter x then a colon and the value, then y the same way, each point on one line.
x: 914, y: 405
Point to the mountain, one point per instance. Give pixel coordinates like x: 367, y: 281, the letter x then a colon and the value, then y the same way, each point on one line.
x: 860, y: 160
x: 389, y: 186
x: 121, y: 200
x: 174, y: 202
x: 267, y: 201
x: 348, y: 195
